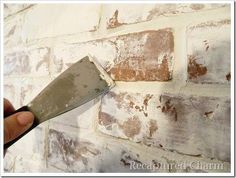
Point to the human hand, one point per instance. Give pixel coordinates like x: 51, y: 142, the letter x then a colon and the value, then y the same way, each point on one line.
x: 15, y: 124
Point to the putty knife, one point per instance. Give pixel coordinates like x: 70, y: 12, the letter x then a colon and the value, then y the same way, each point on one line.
x: 82, y: 82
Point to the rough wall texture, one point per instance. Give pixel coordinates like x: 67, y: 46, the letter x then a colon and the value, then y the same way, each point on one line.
x: 171, y: 103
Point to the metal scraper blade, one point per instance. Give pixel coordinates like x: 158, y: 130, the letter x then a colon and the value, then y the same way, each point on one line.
x: 82, y: 82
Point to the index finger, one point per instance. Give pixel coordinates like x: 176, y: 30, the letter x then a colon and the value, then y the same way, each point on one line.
x: 8, y: 107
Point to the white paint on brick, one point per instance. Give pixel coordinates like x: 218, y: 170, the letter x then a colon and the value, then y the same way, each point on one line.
x: 182, y: 124
x: 103, y: 52
x: 33, y: 62
x: 50, y: 20
x: 81, y: 117
x: 13, y: 32
x: 209, y: 44
x: 59, y: 36
x: 13, y: 9
x: 134, y: 13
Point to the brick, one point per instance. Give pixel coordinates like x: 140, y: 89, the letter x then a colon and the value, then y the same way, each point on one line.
x: 30, y: 88
x: 50, y: 18
x: 89, y: 153
x: 81, y: 117
x: 30, y: 146
x: 65, y: 147
x: 11, y: 9
x: 68, y: 153
x: 103, y: 51
x: 25, y: 164
x: 9, y: 161
x: 209, y: 53
x: 12, y: 32
x: 10, y: 92
x: 143, y: 56
x: 122, y: 14
x: 198, y: 126
x: 33, y: 62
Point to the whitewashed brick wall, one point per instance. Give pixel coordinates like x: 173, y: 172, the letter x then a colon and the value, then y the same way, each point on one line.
x: 171, y: 103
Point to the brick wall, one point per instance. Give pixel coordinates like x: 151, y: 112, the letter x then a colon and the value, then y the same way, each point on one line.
x: 171, y: 103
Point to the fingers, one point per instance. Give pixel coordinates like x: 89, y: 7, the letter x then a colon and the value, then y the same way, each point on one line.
x: 8, y: 108
x: 17, y: 124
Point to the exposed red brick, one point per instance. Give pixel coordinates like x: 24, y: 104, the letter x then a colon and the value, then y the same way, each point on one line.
x: 194, y: 69
x: 144, y: 56
x: 228, y: 76
x: 113, y: 21
x: 131, y: 127
x: 106, y: 120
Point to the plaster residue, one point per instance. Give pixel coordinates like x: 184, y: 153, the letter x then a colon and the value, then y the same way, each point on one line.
x: 194, y: 69
x: 152, y: 127
x: 131, y: 127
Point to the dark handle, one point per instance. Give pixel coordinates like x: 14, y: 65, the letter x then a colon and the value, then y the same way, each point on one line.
x: 35, y: 123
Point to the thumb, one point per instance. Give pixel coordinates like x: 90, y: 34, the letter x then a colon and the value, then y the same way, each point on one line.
x: 17, y: 124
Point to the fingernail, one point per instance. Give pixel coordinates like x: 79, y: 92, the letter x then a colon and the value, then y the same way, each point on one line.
x: 25, y: 118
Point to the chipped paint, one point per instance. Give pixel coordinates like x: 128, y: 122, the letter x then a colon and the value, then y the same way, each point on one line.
x: 113, y: 21
x: 209, y: 114
x: 228, y: 76
x: 195, y: 70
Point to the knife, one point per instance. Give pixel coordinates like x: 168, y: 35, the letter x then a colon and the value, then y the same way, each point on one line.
x: 80, y: 83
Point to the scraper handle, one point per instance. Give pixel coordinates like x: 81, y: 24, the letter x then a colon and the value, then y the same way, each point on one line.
x: 35, y: 123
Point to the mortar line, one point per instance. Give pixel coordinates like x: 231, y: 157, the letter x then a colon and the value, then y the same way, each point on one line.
x: 154, y: 24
